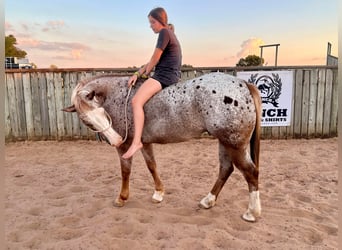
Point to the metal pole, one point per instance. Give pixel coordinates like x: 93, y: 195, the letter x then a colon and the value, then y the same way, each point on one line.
x: 261, y: 55
x: 271, y: 45
x: 276, y: 57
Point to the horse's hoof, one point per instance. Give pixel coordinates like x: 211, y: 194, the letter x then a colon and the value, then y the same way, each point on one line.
x: 254, y: 207
x: 119, y: 202
x: 249, y: 216
x: 208, y: 201
x: 158, y: 196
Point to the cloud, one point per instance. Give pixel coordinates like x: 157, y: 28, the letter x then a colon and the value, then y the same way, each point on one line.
x: 62, y: 50
x: 30, y: 43
x: 250, y: 47
x: 27, y: 42
x: 25, y: 26
x: 8, y: 27
x: 76, y: 53
x: 53, y: 25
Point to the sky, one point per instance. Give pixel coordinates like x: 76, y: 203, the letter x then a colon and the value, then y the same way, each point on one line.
x: 117, y: 34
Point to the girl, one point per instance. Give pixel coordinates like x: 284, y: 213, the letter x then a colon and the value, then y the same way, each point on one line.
x: 166, y: 62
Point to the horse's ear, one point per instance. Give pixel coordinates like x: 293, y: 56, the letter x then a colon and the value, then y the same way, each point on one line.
x: 69, y: 109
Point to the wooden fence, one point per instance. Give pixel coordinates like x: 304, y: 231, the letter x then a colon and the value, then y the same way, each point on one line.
x: 34, y: 99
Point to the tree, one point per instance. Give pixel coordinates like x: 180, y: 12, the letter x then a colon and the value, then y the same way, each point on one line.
x: 251, y: 60
x: 187, y: 66
x: 11, y: 50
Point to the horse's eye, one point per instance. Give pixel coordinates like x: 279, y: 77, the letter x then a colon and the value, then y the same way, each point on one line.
x: 91, y: 95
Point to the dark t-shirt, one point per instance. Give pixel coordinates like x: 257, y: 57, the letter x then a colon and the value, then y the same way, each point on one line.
x: 167, y: 70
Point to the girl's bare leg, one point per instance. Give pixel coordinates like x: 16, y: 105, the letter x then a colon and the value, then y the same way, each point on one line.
x: 149, y: 88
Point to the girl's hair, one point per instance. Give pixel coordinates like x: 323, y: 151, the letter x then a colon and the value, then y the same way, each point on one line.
x: 171, y: 27
x: 160, y: 15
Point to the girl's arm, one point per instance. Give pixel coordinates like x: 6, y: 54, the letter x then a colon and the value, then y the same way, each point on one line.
x: 154, y: 60
x: 142, y: 70
x: 147, y: 68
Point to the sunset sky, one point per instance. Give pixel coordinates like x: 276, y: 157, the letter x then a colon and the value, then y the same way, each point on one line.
x: 108, y: 33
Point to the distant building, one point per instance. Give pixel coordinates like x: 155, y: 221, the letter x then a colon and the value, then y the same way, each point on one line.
x: 17, y: 63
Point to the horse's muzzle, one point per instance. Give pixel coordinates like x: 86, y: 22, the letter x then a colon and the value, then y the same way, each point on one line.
x: 113, y: 137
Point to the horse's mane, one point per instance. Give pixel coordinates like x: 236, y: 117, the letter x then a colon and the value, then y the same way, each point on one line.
x: 85, y: 81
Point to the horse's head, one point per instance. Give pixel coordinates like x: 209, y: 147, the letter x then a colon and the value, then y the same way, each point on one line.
x: 87, y: 100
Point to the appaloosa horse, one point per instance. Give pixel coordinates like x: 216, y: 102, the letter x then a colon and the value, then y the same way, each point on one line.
x: 224, y: 106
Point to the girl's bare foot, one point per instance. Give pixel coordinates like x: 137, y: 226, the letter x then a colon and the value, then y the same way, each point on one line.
x: 131, y: 151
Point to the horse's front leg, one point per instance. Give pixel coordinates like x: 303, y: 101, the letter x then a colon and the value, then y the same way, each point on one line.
x: 148, y: 155
x: 125, y: 173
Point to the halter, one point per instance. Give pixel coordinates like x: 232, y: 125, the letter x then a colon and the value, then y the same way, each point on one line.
x: 110, y: 119
x: 105, y: 129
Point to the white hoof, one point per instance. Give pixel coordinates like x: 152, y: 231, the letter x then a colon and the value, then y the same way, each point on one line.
x: 254, y: 207
x: 248, y: 216
x: 158, y: 196
x: 208, y: 201
x: 119, y: 202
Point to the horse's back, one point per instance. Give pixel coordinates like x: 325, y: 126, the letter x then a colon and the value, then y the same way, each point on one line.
x: 227, y: 107
x: 218, y: 103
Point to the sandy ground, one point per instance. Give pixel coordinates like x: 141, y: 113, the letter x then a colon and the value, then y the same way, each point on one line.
x: 59, y: 195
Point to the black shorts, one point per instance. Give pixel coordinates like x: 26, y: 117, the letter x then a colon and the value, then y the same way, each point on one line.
x: 165, y: 79
x: 163, y: 85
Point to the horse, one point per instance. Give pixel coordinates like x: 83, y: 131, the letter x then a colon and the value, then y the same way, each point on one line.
x: 226, y: 107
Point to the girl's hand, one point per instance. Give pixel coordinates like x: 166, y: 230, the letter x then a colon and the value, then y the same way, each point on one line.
x: 132, y: 80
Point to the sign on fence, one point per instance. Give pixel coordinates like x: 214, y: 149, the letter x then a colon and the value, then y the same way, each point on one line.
x: 276, y: 94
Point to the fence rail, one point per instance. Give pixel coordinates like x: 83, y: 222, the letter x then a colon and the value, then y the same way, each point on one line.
x: 34, y: 99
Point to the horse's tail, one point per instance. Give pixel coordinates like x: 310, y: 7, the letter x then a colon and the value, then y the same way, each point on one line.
x: 255, y: 140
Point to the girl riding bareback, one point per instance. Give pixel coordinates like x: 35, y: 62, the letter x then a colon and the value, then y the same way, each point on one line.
x: 166, y: 62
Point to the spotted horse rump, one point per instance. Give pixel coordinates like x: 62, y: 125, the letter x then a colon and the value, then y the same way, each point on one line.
x: 226, y: 107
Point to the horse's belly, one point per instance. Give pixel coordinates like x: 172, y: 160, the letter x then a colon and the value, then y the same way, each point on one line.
x: 168, y: 129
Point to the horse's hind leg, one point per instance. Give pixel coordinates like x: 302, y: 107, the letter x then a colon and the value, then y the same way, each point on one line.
x: 245, y: 164
x: 148, y: 155
x: 226, y: 169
